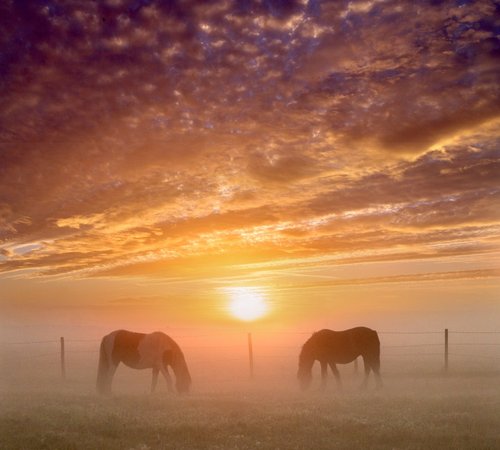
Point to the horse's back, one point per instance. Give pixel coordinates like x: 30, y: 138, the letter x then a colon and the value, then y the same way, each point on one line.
x: 140, y: 350
x: 156, y: 343
x: 346, y: 345
x: 364, y: 332
x: 351, y: 333
x: 364, y: 337
x: 359, y: 331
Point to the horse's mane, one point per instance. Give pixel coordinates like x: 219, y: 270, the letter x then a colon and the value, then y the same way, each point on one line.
x: 175, y: 346
x: 311, y: 342
x: 305, y: 347
x: 314, y: 335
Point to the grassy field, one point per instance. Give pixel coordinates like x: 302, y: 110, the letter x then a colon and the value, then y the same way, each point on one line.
x: 423, y: 413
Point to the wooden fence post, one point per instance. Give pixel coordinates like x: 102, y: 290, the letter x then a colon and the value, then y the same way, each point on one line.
x: 446, y: 350
x: 63, y: 363
x: 250, y: 354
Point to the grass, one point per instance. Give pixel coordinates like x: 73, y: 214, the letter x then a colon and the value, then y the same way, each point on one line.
x: 440, y: 413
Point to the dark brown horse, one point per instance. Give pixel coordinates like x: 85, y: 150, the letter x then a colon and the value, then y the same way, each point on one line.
x: 154, y: 351
x: 339, y: 347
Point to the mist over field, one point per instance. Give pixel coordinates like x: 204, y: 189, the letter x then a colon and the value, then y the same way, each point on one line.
x: 420, y: 406
x: 457, y: 413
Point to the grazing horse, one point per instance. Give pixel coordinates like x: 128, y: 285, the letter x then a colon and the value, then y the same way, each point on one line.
x: 154, y: 351
x: 339, y: 347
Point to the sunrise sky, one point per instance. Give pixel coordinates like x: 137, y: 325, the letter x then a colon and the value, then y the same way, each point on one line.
x: 339, y: 158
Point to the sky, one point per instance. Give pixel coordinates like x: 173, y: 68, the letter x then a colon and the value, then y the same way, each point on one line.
x: 339, y: 157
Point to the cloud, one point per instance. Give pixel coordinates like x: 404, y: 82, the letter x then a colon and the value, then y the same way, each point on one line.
x: 5, y: 252
x: 414, y: 278
x: 140, y: 136
x: 281, y: 168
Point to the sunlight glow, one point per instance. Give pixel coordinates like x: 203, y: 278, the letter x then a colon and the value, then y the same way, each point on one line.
x: 247, y: 303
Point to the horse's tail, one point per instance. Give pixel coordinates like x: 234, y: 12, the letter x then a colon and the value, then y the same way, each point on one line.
x: 102, y: 384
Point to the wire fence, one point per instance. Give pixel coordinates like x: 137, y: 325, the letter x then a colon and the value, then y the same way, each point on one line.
x: 446, y: 349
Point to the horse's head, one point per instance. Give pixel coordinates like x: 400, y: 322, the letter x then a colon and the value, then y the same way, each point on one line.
x: 182, y: 384
x: 182, y: 375
x: 304, y: 374
x: 305, y: 377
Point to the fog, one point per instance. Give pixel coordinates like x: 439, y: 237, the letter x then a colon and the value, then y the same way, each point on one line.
x: 420, y: 406
x: 219, y: 360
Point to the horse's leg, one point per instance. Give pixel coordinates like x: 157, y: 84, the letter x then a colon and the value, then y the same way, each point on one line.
x: 367, y: 365
x: 168, y: 378
x: 154, y: 380
x: 378, y: 378
x: 372, y: 363
x: 324, y: 370
x: 375, y: 365
x: 336, y: 373
x: 109, y: 377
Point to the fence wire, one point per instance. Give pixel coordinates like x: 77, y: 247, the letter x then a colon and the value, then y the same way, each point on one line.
x: 266, y: 352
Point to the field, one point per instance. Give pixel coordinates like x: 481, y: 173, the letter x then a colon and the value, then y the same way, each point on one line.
x: 427, y: 412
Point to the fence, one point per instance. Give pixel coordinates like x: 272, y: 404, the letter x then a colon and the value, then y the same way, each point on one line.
x: 448, y: 339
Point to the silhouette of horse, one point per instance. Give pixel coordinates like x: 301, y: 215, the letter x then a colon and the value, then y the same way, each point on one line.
x: 154, y: 351
x: 339, y: 347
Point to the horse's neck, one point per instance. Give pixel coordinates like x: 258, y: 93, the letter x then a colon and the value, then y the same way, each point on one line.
x: 178, y: 362
x: 306, y: 361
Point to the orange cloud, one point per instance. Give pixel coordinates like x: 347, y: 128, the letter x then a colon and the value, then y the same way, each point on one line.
x: 149, y: 140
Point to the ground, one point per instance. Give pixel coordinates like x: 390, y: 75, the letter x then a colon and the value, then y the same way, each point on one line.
x: 454, y: 412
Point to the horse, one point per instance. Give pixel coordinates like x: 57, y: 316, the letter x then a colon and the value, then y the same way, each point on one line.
x: 339, y: 347
x: 154, y: 351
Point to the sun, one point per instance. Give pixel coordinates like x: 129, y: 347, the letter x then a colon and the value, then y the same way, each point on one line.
x: 247, y: 303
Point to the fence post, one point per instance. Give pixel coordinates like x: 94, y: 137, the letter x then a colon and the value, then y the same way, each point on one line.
x: 356, y: 365
x: 63, y: 363
x: 250, y: 354
x: 446, y: 350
